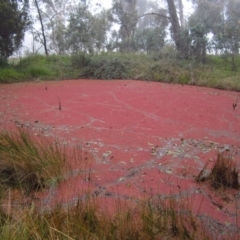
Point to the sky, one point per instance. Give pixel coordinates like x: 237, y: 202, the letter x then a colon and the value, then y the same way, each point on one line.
x: 108, y: 4
x: 104, y: 3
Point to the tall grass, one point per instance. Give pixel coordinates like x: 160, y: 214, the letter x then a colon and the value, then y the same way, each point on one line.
x: 30, y: 163
x: 10, y: 74
x: 159, y: 219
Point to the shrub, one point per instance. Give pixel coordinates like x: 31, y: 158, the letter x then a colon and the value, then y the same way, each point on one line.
x: 80, y: 60
x: 10, y: 75
x: 35, y: 72
x: 106, y: 67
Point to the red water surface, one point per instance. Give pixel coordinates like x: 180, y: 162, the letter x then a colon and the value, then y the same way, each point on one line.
x: 144, y: 138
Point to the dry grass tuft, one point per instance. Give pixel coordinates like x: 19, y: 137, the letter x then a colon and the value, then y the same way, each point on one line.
x: 224, y: 173
x: 30, y: 163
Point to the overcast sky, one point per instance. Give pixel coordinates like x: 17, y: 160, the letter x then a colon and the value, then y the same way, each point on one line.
x: 108, y: 3
x: 104, y: 3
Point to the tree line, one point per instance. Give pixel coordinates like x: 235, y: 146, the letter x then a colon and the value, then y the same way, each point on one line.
x: 69, y: 26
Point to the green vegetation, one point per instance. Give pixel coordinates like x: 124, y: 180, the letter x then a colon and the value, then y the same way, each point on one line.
x: 14, y: 22
x: 217, y: 72
x: 38, y: 67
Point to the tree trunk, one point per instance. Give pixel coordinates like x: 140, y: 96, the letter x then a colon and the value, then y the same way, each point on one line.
x: 42, y: 27
x: 180, y: 5
x: 177, y: 33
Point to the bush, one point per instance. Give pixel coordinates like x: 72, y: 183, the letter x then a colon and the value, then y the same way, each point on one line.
x: 10, y: 75
x: 35, y: 72
x: 106, y: 67
x: 168, y: 71
x: 80, y: 60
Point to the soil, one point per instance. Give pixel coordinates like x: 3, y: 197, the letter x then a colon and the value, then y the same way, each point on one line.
x: 140, y: 139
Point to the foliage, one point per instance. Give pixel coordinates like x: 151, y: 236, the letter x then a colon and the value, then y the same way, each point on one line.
x: 107, y: 66
x: 14, y: 21
x: 170, y: 72
x: 139, y: 26
x: 52, y: 15
x: 10, y: 74
x: 207, y: 18
x: 151, y: 20
x: 227, y: 38
x: 125, y: 14
x: 161, y: 66
x: 80, y: 60
x: 149, y: 40
x: 87, y: 32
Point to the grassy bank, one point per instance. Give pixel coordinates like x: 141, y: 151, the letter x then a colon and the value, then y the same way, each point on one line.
x: 30, y: 163
x: 218, y: 71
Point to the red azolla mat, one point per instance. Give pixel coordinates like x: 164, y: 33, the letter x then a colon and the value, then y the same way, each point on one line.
x: 144, y: 138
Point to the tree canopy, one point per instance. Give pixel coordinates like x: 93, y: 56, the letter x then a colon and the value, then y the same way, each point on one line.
x: 14, y: 21
x: 69, y: 26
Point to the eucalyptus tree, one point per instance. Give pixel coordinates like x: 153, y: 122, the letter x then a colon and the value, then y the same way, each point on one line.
x: 149, y: 40
x: 125, y: 14
x: 151, y: 26
x: 55, y: 12
x: 151, y: 14
x: 53, y: 15
x: 41, y: 37
x: 226, y: 38
x: 87, y: 32
x: 206, y: 19
x: 232, y: 28
x: 178, y: 33
x: 14, y: 22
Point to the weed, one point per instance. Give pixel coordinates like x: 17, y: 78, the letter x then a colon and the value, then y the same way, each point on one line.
x: 224, y: 173
x: 170, y: 217
x: 59, y: 104
x: 159, y: 219
x: 30, y: 163
x: 235, y: 104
